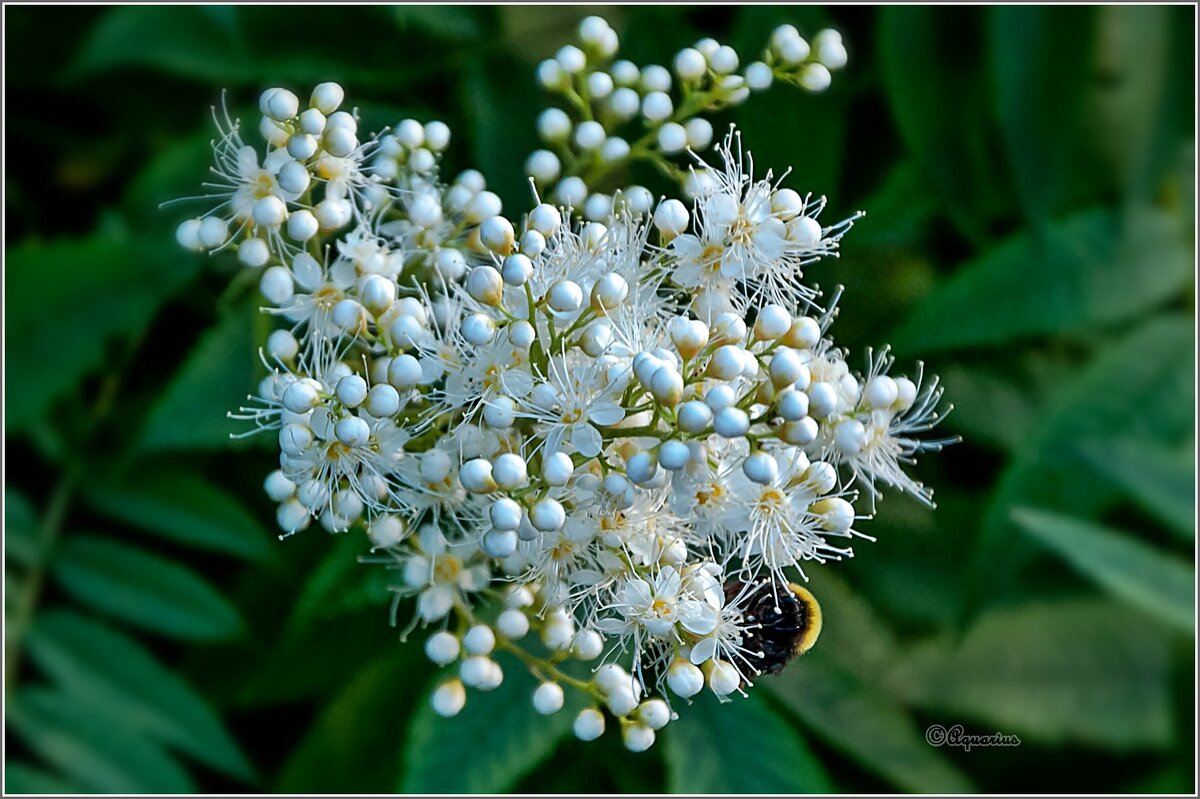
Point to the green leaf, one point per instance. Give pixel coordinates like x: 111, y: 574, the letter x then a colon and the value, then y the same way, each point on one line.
x: 833, y: 689
x: 499, y: 112
x: 1155, y: 582
x: 1040, y: 91
x: 865, y: 724
x: 1092, y: 269
x: 454, y: 23
x: 353, y: 740
x: 87, y: 658
x: 1142, y: 386
x: 145, y: 590
x: 931, y: 71
x: 185, y: 507
x: 739, y: 746
x: 215, y: 378
x: 1084, y: 670
x: 95, y: 751
x: 989, y: 408
x: 181, y: 40
x: 899, y: 211
x: 492, y: 743
x: 24, y: 778
x: 65, y: 302
x: 341, y: 584
x: 1161, y: 479
x: 22, y: 536
x: 1145, y: 98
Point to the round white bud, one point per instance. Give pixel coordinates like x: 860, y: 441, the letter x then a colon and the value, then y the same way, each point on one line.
x: 442, y: 648
x: 553, y: 124
x: 672, y: 138
x: 587, y: 645
x: 694, y: 416
x: 723, y: 678
x: 761, y: 468
x: 671, y: 218
x: 302, y: 225
x: 565, y: 296
x: 772, y: 323
x: 815, y: 77
x: 302, y: 146
x: 282, y: 345
x: 720, y: 397
x: 293, y: 177
x: 383, y: 401
x: 550, y: 75
x: 404, y: 371
x: 557, y: 468
x: 254, y: 252
x: 352, y: 391
x: 478, y: 329
x: 674, y: 455
x: 850, y: 436
x: 787, y: 368
x: 759, y: 76
x: 476, y: 476
x: 348, y: 315
x: 479, y: 640
x: 353, y: 432
x: 654, y: 713
x: 548, y: 698
x: 599, y: 85
x: 510, y: 471
x: 340, y: 141
x: 500, y: 543
x: 545, y: 219
x: 326, y: 97
x: 793, y: 50
x: 637, y: 737
x: 499, y: 413
x: 728, y: 328
x: 699, y: 133
x: 312, y: 122
x: 300, y: 397
x: 731, y: 423
x: 278, y: 487
x: 598, y: 207
x: 666, y: 384
x: 690, y: 64
x: 792, y: 405
x: 187, y: 234
x: 684, y: 679
x: 834, y: 513
x: 213, y: 232
x: 830, y: 50
x: 269, y: 211
x: 483, y: 205
x: 485, y: 285
x: 656, y: 78
x: 521, y: 334
x: 571, y: 191
x: 656, y: 106
x: 723, y: 60
x: 624, y: 103
x: 822, y: 399
x: 727, y: 362
x: 276, y: 284
x: 496, y: 233
x: 641, y: 468
x: 505, y: 514
x: 800, y: 432
x: 588, y: 725
x: 513, y: 624
x: 543, y: 166
x: 449, y: 698
x: 547, y: 515
x: 906, y: 393
x: 571, y: 59
x: 589, y: 135
x: 881, y: 392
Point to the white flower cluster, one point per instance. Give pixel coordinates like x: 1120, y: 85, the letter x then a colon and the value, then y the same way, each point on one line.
x: 620, y: 433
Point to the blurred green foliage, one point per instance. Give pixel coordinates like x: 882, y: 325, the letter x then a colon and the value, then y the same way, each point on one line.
x: 1028, y: 174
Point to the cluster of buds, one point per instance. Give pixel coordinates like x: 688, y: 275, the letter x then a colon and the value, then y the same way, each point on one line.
x: 611, y: 438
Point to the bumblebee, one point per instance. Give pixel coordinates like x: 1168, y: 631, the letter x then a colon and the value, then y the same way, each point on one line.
x: 780, y: 624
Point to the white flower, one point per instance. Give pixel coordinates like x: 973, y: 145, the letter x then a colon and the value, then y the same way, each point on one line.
x: 570, y: 405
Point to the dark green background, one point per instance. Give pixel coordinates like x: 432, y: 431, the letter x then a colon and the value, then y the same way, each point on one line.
x: 1028, y: 177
